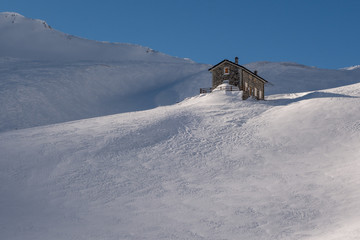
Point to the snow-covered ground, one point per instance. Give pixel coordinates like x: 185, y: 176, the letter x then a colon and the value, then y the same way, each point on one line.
x: 209, y: 167
x: 41, y: 93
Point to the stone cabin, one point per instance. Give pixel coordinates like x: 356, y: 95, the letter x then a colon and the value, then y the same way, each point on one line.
x: 247, y: 81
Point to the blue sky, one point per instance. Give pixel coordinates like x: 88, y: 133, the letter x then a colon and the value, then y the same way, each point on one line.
x: 317, y: 33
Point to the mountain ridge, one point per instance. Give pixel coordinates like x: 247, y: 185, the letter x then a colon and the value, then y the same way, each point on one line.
x: 94, y: 78
x: 63, y: 78
x: 34, y: 39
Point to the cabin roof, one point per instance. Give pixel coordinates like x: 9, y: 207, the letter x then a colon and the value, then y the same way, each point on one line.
x: 238, y: 66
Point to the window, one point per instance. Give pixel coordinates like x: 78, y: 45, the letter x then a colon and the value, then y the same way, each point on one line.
x: 260, y: 94
x: 256, y: 92
x: 226, y: 71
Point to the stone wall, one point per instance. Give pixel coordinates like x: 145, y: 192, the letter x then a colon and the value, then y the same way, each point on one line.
x: 252, y: 86
x: 219, y: 76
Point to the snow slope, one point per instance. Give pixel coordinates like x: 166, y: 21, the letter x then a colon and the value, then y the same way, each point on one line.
x: 49, y: 77
x: 210, y: 167
x: 39, y: 93
x: 34, y: 39
x: 294, y: 78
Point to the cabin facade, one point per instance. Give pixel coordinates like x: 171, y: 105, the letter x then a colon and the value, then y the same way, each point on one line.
x: 247, y: 81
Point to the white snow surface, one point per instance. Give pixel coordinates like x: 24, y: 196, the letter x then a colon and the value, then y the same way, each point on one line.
x: 225, y: 86
x: 210, y: 167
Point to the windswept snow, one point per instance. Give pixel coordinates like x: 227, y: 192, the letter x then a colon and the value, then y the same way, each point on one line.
x: 38, y: 93
x: 210, y: 167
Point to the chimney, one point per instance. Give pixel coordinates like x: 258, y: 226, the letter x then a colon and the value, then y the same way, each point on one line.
x: 236, y: 60
x: 255, y: 72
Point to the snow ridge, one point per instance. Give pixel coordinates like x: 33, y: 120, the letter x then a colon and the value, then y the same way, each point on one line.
x: 34, y: 39
x: 16, y: 18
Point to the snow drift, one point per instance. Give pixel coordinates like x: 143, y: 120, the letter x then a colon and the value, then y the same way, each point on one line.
x: 210, y: 167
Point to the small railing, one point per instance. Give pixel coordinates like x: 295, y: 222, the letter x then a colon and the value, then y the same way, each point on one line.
x: 205, y: 90
x: 228, y: 88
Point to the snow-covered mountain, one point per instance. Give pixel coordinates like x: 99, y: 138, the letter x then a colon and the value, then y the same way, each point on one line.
x: 49, y: 77
x: 34, y: 39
